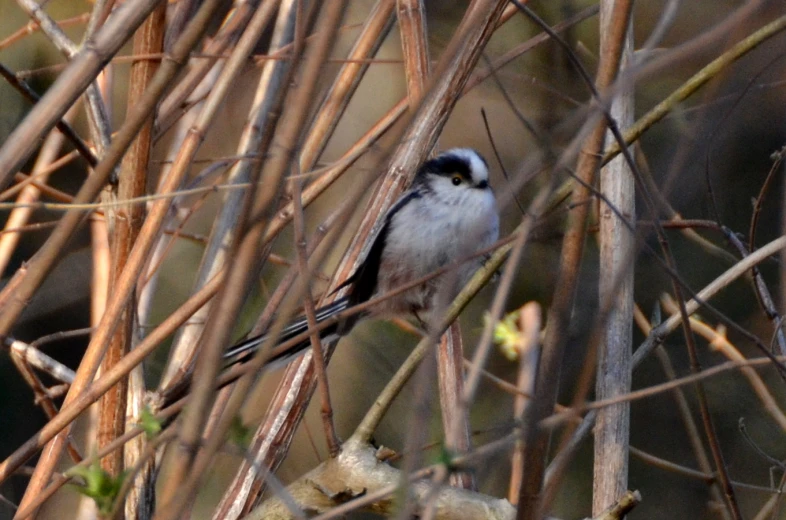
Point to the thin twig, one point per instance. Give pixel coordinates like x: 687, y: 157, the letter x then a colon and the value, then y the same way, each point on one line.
x: 175, y: 496
x: 50, y: 252
x: 452, y: 74
x: 615, y: 291
x: 719, y: 342
x: 284, y: 143
x: 253, y: 141
x: 81, y: 147
x: 691, y: 428
x: 560, y: 312
x: 375, y: 29
x: 333, y: 442
x: 529, y: 353
x: 19, y: 216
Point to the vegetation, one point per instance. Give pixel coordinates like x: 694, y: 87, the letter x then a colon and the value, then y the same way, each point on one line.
x: 177, y: 173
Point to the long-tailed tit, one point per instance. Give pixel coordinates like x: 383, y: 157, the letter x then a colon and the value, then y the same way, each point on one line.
x: 446, y: 218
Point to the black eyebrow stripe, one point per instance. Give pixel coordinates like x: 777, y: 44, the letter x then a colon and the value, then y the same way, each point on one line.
x: 448, y: 165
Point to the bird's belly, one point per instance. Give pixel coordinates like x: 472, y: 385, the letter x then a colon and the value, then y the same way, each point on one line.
x: 395, y: 281
x: 437, y: 237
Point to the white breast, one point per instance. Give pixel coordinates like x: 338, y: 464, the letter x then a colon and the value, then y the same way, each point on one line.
x: 432, y: 232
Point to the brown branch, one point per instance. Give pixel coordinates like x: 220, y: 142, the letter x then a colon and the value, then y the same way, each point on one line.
x: 221, y: 320
x: 708, y: 72
x: 20, y: 354
x: 411, y: 16
x: 50, y: 252
x: 615, y: 290
x: 128, y: 222
x: 253, y: 142
x: 375, y: 29
x: 622, y: 507
x: 72, y: 410
x: 176, y: 494
x: 81, y: 147
x: 566, y: 283
x: 691, y: 428
x: 333, y: 442
x: 289, y: 401
x: 32, y: 27
x: 132, y: 183
x: 226, y: 36
x: 718, y: 342
x: 455, y: 421
x: 528, y: 352
x: 30, y: 192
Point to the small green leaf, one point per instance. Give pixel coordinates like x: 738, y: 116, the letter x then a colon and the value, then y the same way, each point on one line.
x: 508, y: 336
x: 445, y: 457
x: 239, y: 433
x: 149, y: 423
x: 99, y: 485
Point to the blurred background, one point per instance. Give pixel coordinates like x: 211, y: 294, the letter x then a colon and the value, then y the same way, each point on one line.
x: 722, y: 137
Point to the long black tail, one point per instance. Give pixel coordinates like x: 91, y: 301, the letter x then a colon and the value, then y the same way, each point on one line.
x: 242, y: 352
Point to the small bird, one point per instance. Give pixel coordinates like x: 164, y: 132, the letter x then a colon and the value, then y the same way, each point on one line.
x: 446, y: 218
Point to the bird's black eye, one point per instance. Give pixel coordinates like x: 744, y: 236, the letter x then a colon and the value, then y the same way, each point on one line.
x: 456, y: 180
